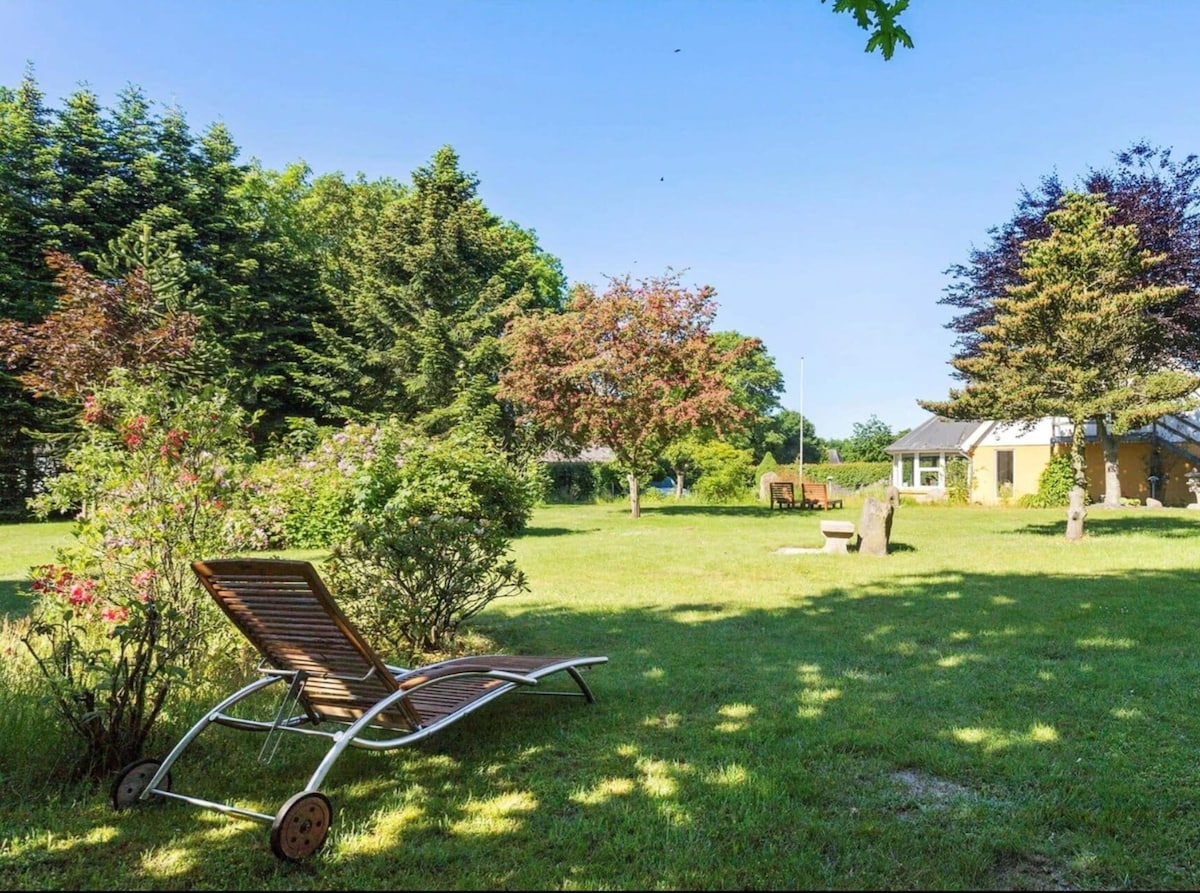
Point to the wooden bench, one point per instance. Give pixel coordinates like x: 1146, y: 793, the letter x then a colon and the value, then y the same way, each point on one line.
x: 783, y: 493
x: 813, y: 496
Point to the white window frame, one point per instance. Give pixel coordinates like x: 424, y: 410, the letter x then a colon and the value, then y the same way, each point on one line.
x: 922, y: 464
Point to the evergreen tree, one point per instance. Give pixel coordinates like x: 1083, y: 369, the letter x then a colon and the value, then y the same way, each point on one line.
x: 1147, y: 189
x: 28, y: 189
x: 84, y: 221
x: 1071, y: 338
x: 421, y: 322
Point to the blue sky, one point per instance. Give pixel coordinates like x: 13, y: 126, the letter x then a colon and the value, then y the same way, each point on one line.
x: 820, y: 190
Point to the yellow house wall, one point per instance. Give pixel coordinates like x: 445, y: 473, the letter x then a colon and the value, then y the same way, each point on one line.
x: 1134, y: 461
x: 1028, y: 462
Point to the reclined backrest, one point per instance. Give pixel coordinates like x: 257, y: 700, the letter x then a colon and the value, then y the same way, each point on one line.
x: 286, y: 611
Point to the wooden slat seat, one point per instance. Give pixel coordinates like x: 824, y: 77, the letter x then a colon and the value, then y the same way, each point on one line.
x: 817, y: 496
x: 328, y: 676
x: 783, y: 493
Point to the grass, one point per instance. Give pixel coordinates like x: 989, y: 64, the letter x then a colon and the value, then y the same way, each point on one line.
x: 987, y: 707
x: 22, y: 546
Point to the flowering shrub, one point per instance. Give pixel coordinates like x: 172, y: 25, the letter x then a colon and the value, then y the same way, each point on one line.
x: 306, y: 500
x: 432, y: 522
x: 155, y: 482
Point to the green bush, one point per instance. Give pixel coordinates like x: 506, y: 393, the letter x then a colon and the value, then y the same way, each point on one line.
x: 1054, y: 484
x: 431, y: 526
x: 726, y: 473
x: 572, y: 481
x: 306, y: 500
x: 768, y: 463
x: 847, y: 475
x: 957, y: 489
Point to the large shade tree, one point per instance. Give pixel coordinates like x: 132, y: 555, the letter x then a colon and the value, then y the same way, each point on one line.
x: 1070, y: 338
x: 1148, y: 189
x: 632, y: 368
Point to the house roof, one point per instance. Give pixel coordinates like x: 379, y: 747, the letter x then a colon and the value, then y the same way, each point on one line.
x: 587, y: 454
x: 937, y: 434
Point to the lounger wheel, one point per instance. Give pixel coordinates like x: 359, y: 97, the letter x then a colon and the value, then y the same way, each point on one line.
x: 132, y: 780
x: 301, y: 825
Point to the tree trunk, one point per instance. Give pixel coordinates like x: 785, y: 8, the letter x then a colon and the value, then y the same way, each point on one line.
x: 635, y: 499
x: 1112, y: 477
x: 679, y: 485
x: 1077, y: 508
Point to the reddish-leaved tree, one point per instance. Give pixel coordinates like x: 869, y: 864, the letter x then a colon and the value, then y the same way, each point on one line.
x: 96, y: 327
x: 632, y: 369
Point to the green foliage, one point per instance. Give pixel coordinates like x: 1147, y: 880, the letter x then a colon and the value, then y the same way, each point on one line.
x: 767, y: 463
x: 120, y: 620
x: 633, y: 368
x: 957, y: 487
x: 432, y: 521
x: 868, y: 442
x: 849, y: 475
x: 1054, y: 484
x: 306, y: 500
x: 779, y: 434
x: 419, y: 314
x: 1077, y: 337
x: 726, y: 473
x: 572, y: 481
x: 878, y: 17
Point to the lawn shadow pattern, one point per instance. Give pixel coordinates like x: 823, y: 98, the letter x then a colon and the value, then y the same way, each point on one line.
x: 748, y: 748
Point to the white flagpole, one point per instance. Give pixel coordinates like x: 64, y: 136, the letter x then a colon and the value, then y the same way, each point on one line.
x: 800, y: 458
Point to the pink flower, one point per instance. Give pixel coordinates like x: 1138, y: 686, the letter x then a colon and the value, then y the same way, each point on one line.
x: 173, y: 443
x: 80, y: 594
x: 91, y: 412
x: 116, y: 614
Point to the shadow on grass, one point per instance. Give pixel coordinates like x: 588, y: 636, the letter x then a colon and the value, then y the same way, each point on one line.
x: 728, y: 511
x: 736, y: 747
x: 555, y: 531
x: 13, y: 602
x: 1134, y: 522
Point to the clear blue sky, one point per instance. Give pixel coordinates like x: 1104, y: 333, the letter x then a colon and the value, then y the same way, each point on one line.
x: 820, y: 190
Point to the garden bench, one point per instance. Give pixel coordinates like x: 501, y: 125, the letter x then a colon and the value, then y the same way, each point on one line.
x: 817, y: 496
x: 783, y: 493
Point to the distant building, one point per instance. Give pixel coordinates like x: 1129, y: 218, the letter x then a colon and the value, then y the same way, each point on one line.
x: 1006, y: 460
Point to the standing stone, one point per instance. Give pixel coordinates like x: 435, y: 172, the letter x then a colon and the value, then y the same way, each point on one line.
x: 874, y: 527
x: 764, y: 485
x: 892, y: 498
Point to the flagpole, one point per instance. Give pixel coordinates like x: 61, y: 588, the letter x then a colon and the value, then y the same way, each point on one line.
x: 800, y: 457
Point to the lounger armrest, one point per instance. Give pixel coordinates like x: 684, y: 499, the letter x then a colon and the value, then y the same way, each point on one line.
x: 421, y: 677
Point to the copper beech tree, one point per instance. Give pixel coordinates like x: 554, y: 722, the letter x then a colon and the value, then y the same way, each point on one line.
x: 98, y: 325
x: 633, y: 369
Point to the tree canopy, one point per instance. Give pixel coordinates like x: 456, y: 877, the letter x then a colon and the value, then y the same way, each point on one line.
x: 879, y: 19
x: 633, y: 369
x: 1071, y: 338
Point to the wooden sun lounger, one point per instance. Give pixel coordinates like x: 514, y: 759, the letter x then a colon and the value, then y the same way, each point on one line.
x: 331, y: 677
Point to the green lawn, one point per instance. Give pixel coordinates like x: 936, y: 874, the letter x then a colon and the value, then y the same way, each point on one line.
x: 988, y: 706
x: 21, y: 547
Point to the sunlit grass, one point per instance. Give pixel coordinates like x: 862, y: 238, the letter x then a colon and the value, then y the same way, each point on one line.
x: 988, y: 706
